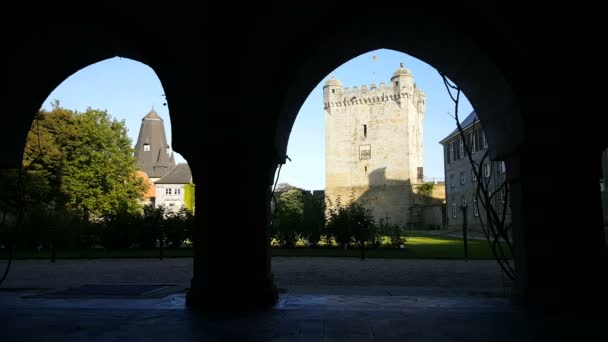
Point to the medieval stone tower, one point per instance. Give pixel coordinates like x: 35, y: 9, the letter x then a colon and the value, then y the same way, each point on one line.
x: 373, y: 144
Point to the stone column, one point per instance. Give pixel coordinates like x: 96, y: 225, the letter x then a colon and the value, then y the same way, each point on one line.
x: 231, y: 246
x: 559, y: 240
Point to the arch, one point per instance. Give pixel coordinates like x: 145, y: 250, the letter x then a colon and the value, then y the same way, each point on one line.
x: 463, y: 61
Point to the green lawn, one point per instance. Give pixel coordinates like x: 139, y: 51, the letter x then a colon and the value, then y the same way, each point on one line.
x: 420, y: 246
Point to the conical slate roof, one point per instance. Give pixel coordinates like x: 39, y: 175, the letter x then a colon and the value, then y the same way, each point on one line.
x: 151, y: 149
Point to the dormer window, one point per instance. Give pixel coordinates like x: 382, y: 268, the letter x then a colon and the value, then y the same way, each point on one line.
x: 146, y: 147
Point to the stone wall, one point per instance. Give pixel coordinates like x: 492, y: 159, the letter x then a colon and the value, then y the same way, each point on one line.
x: 172, y: 202
x: 374, y: 146
x: 461, y: 186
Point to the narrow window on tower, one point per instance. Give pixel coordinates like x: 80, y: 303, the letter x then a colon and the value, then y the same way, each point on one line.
x: 365, y: 168
x: 333, y: 91
x: 365, y: 131
x: 146, y: 147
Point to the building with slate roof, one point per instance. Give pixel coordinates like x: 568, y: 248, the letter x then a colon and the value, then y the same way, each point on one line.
x: 154, y: 156
x: 175, y: 190
x: 170, y: 184
x: 460, y: 180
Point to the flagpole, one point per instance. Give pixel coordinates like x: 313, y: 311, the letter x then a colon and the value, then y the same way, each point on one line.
x: 374, y: 70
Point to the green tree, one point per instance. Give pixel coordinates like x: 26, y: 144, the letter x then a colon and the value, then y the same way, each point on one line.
x: 352, y: 223
x: 426, y: 189
x: 313, y: 219
x: 289, y: 217
x: 99, y: 178
x: 49, y: 139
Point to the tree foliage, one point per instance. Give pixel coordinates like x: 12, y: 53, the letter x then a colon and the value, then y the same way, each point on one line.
x: 87, y: 160
x: 350, y: 223
x: 426, y: 189
x: 289, y: 217
x: 313, y: 218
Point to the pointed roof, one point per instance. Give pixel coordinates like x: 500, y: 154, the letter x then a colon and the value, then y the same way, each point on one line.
x: 152, y: 115
x: 151, y: 149
x: 178, y: 175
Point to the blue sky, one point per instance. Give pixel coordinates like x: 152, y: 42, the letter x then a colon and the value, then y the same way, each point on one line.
x: 307, y: 141
x: 128, y: 90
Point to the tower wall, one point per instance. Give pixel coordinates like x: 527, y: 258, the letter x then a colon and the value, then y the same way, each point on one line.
x: 374, y: 147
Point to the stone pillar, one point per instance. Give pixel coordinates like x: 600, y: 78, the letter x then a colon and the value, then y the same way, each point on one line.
x: 231, y: 246
x: 559, y: 240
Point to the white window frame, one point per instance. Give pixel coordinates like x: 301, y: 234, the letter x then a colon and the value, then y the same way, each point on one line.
x: 146, y: 147
x: 464, y: 201
x: 453, y: 210
x: 452, y: 156
x: 473, y: 175
x: 475, y: 208
x: 178, y: 191
x: 167, y: 191
x: 485, y: 141
x: 501, y: 167
x: 461, y: 148
x: 502, y: 194
x: 473, y: 142
x: 462, y: 177
x: 487, y: 169
x: 452, y: 183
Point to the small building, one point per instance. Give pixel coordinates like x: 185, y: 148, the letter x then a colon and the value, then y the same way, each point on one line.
x: 170, y: 185
x: 461, y: 181
x: 175, y: 190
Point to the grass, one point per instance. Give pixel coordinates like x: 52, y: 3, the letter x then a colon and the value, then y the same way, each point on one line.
x: 419, y: 246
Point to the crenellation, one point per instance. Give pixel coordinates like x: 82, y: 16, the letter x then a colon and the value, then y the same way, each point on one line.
x: 374, y: 94
x: 374, y: 144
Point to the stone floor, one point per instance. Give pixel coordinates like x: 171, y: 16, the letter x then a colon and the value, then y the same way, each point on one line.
x: 294, y: 318
x: 326, y: 299
x: 291, y: 273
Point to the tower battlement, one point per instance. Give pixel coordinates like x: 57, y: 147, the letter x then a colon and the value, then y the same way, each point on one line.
x: 341, y: 97
x: 374, y: 146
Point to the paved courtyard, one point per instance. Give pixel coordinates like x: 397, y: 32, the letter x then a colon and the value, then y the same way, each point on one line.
x: 294, y: 274
x: 326, y: 299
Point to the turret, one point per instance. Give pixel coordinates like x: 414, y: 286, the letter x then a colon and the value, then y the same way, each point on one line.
x: 402, y: 79
x: 332, y: 90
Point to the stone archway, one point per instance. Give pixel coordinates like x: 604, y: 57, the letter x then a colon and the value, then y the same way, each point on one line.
x: 234, y: 97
